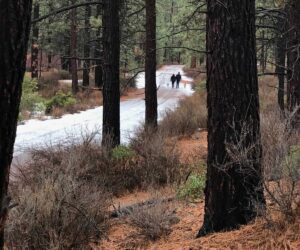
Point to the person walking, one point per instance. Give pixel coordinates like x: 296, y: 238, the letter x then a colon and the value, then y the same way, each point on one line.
x: 173, y: 80
x: 178, y: 79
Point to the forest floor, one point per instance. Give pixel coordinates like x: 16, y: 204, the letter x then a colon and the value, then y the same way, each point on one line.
x: 157, y: 217
x: 257, y: 235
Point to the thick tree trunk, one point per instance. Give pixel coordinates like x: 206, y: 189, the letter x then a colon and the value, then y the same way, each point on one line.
x: 150, y: 65
x: 234, y: 188
x: 293, y: 54
x: 111, y: 72
x: 73, y: 48
x: 14, y: 32
x: 87, y: 38
x: 280, y: 60
x: 98, y: 54
x: 34, y: 43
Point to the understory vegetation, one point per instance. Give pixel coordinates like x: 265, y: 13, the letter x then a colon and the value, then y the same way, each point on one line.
x: 49, y: 96
x: 193, y: 187
x: 64, y: 195
x: 190, y: 115
x: 155, y: 221
x: 64, y: 192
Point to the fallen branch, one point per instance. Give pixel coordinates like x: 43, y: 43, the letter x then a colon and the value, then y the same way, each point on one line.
x: 125, y: 211
x: 89, y: 88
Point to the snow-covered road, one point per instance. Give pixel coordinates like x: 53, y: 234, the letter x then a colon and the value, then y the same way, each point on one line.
x: 37, y: 133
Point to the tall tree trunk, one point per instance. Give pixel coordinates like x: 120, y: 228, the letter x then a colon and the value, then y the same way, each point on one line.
x: 280, y: 60
x: 111, y: 70
x: 293, y: 54
x: 87, y: 38
x: 262, y: 52
x: 150, y: 65
x: 73, y: 48
x: 34, y: 43
x: 193, y: 62
x: 99, y: 54
x: 173, y: 29
x: 50, y: 5
x: 233, y: 189
x: 65, y: 63
x: 14, y: 32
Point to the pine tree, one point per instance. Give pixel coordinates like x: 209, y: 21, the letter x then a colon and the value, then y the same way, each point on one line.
x: 87, y: 38
x: 150, y: 65
x: 14, y: 33
x: 34, y: 43
x: 73, y: 49
x: 293, y: 88
x: 111, y: 72
x: 233, y: 188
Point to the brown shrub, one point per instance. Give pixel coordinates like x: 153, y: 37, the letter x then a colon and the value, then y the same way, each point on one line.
x: 84, y: 100
x: 153, y: 221
x: 268, y: 93
x: 57, y: 207
x: 190, y: 115
x: 63, y: 192
x: 88, y: 99
x: 158, y: 157
x: 57, y: 112
x: 281, y: 161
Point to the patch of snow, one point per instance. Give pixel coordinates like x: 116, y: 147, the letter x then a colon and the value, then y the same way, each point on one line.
x: 53, y: 131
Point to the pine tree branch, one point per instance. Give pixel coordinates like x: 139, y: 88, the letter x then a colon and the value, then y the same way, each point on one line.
x: 64, y: 9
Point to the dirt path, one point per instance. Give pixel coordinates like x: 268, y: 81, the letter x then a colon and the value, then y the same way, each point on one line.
x: 35, y: 133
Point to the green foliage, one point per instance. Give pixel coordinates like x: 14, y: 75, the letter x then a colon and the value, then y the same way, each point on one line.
x: 123, y: 153
x: 193, y: 188
x: 31, y: 101
x: 60, y: 100
x: 200, y: 86
x: 95, y: 22
x: 293, y: 162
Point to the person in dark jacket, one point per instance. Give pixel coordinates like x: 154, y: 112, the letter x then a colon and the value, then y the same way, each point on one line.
x: 178, y: 79
x: 173, y: 80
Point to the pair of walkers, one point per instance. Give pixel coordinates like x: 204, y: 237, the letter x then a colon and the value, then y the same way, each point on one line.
x: 176, y: 79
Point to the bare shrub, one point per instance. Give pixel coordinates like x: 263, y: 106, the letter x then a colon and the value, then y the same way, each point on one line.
x: 268, y: 93
x: 57, y: 208
x: 281, y: 160
x: 190, y: 115
x: 153, y: 221
x: 158, y: 157
x: 64, y: 191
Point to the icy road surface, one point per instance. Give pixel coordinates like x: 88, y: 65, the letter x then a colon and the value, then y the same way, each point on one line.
x: 39, y: 133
